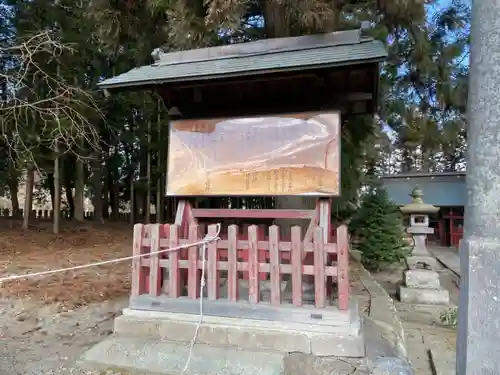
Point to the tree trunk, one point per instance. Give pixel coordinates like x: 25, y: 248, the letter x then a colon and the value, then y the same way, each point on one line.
x: 57, y: 180
x: 14, y: 188
x: 50, y: 182
x: 28, y: 200
x: 68, y: 187
x: 132, y: 198
x: 132, y: 174
x: 160, y: 182
x: 275, y: 19
x: 427, y: 161
x: 79, y: 180
x: 97, y: 182
x: 141, y: 197
x: 57, y: 192
x: 114, y: 196
x: 106, y: 188
x: 147, y: 219
x: 79, y: 190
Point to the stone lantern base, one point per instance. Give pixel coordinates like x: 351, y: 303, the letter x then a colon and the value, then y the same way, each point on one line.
x: 424, y: 262
x: 422, y: 286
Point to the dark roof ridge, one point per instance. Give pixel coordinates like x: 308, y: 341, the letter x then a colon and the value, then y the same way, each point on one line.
x: 262, y: 47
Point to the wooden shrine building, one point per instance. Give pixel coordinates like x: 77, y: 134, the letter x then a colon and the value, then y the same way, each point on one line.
x: 444, y: 190
x: 261, y: 119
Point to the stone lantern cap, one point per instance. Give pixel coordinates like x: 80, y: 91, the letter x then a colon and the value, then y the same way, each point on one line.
x: 417, y: 206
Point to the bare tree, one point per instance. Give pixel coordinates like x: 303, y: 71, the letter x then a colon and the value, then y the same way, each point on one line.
x: 42, y: 109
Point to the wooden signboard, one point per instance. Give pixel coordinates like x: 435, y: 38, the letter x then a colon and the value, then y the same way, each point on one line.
x: 291, y: 154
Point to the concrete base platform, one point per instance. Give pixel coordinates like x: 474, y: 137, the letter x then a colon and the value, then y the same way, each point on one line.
x: 233, y: 338
x: 424, y: 296
x: 332, y: 333
x: 152, y: 357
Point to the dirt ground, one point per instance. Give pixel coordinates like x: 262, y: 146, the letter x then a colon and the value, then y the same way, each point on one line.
x: 46, y: 323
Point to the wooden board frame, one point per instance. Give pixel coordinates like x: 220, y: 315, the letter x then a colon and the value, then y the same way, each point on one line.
x: 293, y: 115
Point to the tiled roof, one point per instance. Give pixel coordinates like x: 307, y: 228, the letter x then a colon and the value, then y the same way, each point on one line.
x: 269, y: 55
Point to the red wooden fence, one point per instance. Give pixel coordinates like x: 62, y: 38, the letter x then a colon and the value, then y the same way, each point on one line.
x: 252, y: 256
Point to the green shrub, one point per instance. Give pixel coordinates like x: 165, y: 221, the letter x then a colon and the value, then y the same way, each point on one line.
x: 449, y: 317
x: 377, y: 228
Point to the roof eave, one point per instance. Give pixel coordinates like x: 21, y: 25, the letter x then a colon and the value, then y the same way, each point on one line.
x: 156, y: 82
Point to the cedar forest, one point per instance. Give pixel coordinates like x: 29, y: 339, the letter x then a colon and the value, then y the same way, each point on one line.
x: 55, y: 121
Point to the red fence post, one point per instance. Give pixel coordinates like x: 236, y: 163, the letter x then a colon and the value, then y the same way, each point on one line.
x: 232, y: 260
x: 343, y: 266
x: 174, y: 285
x: 319, y: 268
x: 245, y: 254
x: 261, y: 236
x: 296, y: 260
x: 154, y: 261
x: 274, y: 255
x: 193, y: 273
x: 138, y: 275
x: 212, y: 271
x: 253, y: 266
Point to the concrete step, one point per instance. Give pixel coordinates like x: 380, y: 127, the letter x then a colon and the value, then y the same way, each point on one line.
x: 153, y: 357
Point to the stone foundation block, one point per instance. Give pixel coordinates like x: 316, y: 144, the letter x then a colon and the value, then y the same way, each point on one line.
x: 424, y: 296
x: 339, y: 346
x: 418, y: 278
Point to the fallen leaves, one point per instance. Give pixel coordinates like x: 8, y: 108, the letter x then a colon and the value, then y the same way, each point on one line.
x: 39, y: 250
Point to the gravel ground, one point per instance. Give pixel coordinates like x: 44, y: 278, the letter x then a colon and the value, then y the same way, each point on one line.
x: 40, y: 339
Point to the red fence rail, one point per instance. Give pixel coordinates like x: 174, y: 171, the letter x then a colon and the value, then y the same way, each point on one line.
x: 253, y: 256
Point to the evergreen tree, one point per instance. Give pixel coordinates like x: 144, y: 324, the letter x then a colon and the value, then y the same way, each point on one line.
x: 377, y: 227
x: 423, y: 85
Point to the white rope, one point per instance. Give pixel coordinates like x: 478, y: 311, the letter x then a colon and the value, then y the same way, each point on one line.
x: 110, y: 261
x: 203, y: 243
x: 202, y: 287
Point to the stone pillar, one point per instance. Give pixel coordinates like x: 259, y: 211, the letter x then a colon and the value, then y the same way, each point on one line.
x: 478, y: 343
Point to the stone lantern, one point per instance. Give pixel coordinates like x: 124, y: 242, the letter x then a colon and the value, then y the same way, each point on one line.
x: 419, y: 229
x: 422, y: 285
